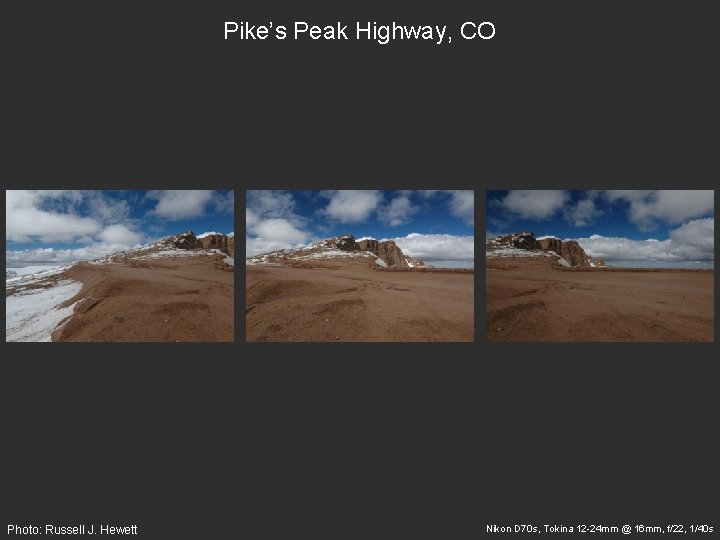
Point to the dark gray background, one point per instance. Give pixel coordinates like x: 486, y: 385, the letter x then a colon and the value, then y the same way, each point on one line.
x: 367, y: 440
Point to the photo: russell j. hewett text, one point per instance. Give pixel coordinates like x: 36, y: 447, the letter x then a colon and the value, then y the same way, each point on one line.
x: 90, y: 528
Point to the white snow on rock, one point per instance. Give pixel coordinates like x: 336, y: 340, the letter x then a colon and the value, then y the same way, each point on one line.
x: 203, y: 235
x: 331, y: 253
x: 380, y: 262
x: 229, y: 261
x: 33, y: 315
x: 182, y: 253
x: 365, y: 238
x: 515, y: 252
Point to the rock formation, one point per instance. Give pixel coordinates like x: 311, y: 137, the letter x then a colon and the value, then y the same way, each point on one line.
x: 569, y: 250
x: 390, y: 253
x: 218, y: 241
x: 188, y: 240
x: 346, y: 242
x: 521, y: 240
x: 386, y: 251
x: 414, y: 262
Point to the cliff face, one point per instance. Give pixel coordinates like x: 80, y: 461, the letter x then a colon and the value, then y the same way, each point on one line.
x: 218, y: 241
x: 390, y: 253
x: 569, y: 250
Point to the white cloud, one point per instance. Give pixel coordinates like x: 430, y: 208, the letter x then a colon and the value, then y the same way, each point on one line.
x: 534, y: 204
x: 693, y: 241
x: 461, y: 202
x: 32, y: 215
x: 120, y: 234
x: 271, y: 203
x: 276, y: 229
x: 271, y: 223
x: 106, y: 209
x: 256, y: 246
x: 224, y: 202
x: 399, y: 211
x: 437, y: 247
x: 584, y: 212
x: 251, y: 218
x: 671, y: 206
x: 462, y: 205
x: 351, y: 206
x: 180, y: 204
x: 61, y: 256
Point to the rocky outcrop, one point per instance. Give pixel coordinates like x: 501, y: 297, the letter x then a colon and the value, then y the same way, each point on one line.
x: 371, y: 245
x: 346, y: 242
x: 390, y: 253
x: 415, y: 262
x: 386, y: 253
x: 571, y: 252
x: 216, y: 241
x: 522, y: 240
x: 186, y: 240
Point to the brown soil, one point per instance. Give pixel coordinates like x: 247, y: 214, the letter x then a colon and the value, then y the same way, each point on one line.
x: 170, y: 299
x: 347, y: 301
x: 529, y: 300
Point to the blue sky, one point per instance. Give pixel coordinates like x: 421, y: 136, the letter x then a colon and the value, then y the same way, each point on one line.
x: 60, y: 226
x: 436, y: 225
x: 654, y: 228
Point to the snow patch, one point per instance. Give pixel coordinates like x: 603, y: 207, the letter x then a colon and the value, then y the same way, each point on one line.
x: 33, y: 315
x: 183, y: 253
x: 515, y: 252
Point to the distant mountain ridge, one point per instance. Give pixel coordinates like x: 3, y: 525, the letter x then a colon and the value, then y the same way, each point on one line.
x: 184, y: 243
x: 524, y: 244
x: 384, y: 253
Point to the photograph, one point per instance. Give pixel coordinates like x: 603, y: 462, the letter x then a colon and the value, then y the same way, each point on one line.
x: 360, y: 265
x: 600, y: 265
x: 120, y: 265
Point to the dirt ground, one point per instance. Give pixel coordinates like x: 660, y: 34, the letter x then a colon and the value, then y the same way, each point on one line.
x: 170, y: 299
x: 529, y: 300
x: 347, y: 301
